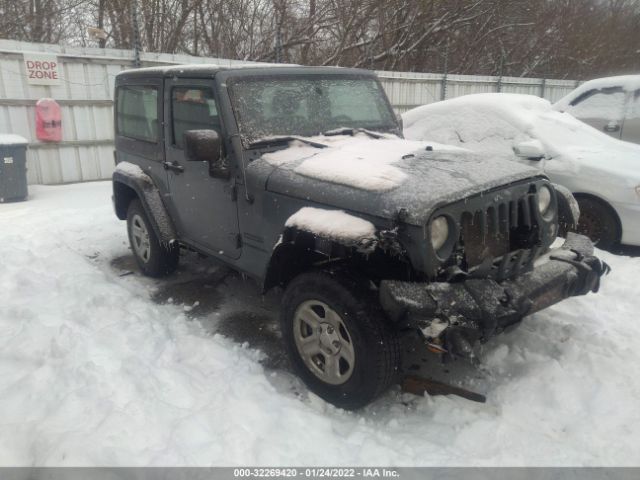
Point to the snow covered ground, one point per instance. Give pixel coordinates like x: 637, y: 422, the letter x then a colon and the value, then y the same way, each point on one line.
x: 99, y: 366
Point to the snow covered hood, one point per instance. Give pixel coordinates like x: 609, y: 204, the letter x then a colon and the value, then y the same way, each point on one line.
x: 380, y: 176
x: 493, y: 123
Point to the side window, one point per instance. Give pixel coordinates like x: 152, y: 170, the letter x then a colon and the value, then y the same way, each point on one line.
x: 606, y: 104
x: 137, y: 112
x: 192, y: 108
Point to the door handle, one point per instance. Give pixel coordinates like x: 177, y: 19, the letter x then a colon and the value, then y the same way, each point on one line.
x: 612, y: 127
x: 175, y: 166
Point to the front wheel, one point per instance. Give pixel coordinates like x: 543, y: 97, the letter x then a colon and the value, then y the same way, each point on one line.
x: 338, y: 339
x: 154, y: 258
x: 597, y: 222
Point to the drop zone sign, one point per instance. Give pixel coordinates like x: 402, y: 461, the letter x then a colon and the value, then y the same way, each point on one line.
x: 42, y: 69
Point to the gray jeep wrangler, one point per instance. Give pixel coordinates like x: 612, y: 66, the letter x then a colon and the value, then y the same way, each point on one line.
x: 299, y: 177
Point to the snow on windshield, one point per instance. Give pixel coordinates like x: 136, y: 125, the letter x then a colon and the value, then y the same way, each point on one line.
x: 310, y: 105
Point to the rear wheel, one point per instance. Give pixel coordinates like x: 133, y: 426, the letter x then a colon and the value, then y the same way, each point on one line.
x: 338, y: 339
x: 598, y: 222
x: 154, y: 258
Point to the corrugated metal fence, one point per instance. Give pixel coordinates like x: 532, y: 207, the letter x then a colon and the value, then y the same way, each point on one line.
x: 85, y: 94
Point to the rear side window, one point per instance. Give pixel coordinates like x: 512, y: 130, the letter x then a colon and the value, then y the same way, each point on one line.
x: 137, y: 112
x: 192, y: 108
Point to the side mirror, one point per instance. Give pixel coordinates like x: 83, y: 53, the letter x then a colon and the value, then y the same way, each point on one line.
x: 531, y: 150
x: 205, y: 146
x: 202, y: 146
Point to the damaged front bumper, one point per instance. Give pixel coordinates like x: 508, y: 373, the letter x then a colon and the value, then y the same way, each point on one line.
x: 454, y: 316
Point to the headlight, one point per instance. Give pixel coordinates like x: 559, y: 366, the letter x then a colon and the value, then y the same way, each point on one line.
x: 544, y: 199
x: 439, y: 232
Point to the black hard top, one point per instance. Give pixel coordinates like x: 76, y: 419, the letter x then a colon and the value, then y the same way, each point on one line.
x: 210, y: 70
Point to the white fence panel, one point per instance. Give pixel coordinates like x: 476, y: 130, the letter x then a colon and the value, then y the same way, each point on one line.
x: 85, y: 94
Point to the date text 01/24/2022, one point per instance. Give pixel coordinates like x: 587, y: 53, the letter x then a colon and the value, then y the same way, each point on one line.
x: 317, y: 472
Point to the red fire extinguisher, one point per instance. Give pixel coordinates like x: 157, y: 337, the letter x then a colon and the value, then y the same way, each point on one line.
x: 48, y: 120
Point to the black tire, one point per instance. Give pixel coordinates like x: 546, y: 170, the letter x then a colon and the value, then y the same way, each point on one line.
x: 374, y: 345
x: 598, y: 222
x: 159, y: 260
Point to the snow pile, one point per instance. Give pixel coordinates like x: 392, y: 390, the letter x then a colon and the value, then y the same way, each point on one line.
x: 332, y: 224
x: 628, y: 83
x: 93, y: 372
x: 359, y: 161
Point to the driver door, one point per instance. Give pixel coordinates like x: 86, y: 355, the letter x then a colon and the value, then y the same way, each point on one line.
x: 203, y: 207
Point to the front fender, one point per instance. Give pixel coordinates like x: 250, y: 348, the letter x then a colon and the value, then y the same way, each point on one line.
x: 568, y: 209
x: 130, y: 181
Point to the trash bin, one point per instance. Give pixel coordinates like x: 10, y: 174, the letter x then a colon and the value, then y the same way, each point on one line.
x: 13, y: 168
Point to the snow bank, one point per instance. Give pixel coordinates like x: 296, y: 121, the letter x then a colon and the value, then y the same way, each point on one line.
x: 628, y: 83
x: 332, y: 224
x: 92, y: 372
x: 359, y: 161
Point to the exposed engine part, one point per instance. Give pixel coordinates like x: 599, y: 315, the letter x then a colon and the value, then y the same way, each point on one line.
x: 476, y: 309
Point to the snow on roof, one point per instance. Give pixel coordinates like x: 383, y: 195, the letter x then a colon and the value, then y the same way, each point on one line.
x: 12, y: 139
x: 359, y: 161
x: 332, y: 224
x: 628, y: 83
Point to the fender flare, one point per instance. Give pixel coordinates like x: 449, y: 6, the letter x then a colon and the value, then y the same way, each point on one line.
x: 297, y: 249
x: 149, y: 195
x: 568, y: 208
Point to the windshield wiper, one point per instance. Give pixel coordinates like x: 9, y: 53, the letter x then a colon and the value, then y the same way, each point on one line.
x: 352, y: 132
x: 279, y: 140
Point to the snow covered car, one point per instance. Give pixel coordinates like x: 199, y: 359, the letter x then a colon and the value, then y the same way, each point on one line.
x: 299, y: 178
x: 611, y: 105
x: 603, y: 173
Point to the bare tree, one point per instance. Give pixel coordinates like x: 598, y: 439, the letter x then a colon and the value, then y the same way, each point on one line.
x: 551, y: 38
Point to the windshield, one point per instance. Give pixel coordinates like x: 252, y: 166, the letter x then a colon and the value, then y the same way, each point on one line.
x: 309, y: 105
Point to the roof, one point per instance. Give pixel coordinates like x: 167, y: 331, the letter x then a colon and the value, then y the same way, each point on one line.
x: 205, y: 70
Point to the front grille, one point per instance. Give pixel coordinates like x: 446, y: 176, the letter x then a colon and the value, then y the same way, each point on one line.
x: 496, y: 229
x: 499, y: 234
